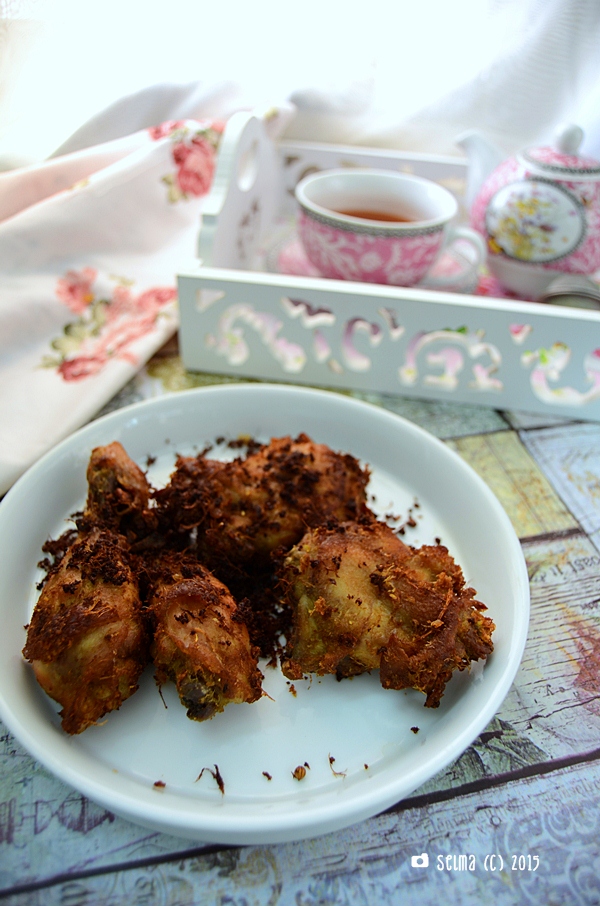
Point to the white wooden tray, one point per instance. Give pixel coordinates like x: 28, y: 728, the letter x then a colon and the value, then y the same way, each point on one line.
x: 238, y: 319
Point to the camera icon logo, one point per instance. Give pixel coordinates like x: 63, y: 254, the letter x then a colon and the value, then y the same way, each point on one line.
x: 421, y: 861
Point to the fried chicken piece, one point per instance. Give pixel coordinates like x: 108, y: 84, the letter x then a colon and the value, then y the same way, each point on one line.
x: 364, y: 600
x: 86, y: 640
x: 117, y: 486
x: 246, y: 509
x: 200, y: 639
x: 118, y: 493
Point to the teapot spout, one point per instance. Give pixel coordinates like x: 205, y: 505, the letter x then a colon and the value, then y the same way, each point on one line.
x: 483, y: 157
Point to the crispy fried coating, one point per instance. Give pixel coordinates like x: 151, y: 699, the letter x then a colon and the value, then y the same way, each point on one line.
x: 200, y: 641
x: 289, y: 531
x: 116, y: 484
x: 86, y: 640
x: 118, y: 493
x: 247, y: 509
x: 364, y: 600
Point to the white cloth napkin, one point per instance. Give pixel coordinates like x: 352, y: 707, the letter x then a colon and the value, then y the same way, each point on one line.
x: 90, y: 245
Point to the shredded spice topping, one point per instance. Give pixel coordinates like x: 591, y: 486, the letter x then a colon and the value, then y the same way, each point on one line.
x: 273, y: 554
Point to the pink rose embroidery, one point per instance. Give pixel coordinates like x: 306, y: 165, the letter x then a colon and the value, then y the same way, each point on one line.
x: 106, y: 327
x: 164, y: 129
x: 194, y: 155
x: 195, y: 166
x: 75, y: 289
x: 80, y: 367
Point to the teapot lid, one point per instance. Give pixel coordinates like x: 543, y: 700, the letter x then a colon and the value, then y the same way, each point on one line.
x: 561, y: 158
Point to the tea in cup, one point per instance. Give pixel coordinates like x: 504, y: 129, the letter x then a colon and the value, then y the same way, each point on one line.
x: 379, y: 226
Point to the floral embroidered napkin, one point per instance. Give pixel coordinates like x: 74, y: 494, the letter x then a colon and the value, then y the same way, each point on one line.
x: 90, y: 244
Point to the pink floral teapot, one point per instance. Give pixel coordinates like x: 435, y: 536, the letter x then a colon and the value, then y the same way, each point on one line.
x: 539, y: 211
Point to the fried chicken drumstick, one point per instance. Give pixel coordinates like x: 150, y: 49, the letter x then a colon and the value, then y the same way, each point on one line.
x: 86, y: 640
x: 363, y: 600
x: 117, y: 487
x: 119, y: 494
x: 199, y: 640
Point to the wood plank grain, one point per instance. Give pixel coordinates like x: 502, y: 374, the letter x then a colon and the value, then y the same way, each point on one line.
x: 555, y: 817
x: 513, y: 475
x: 555, y: 698
x: 570, y: 459
x: 442, y: 419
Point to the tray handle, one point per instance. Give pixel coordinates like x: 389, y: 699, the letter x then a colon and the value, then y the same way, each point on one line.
x: 241, y: 206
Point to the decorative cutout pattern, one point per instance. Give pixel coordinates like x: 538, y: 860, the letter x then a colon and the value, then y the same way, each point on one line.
x: 520, y: 332
x: 320, y: 345
x: 447, y: 359
x: 451, y: 359
x: 231, y: 344
x: 548, y: 367
x: 354, y: 359
x: 309, y: 315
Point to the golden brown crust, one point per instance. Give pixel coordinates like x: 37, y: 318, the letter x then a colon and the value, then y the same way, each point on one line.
x: 194, y: 568
x: 200, y: 641
x: 247, y: 509
x: 364, y: 600
x: 117, y: 486
x: 86, y: 639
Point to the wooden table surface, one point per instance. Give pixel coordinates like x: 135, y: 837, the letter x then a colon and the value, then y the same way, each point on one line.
x: 522, y: 804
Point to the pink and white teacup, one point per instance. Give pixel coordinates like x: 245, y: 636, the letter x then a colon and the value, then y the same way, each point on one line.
x: 380, y: 226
